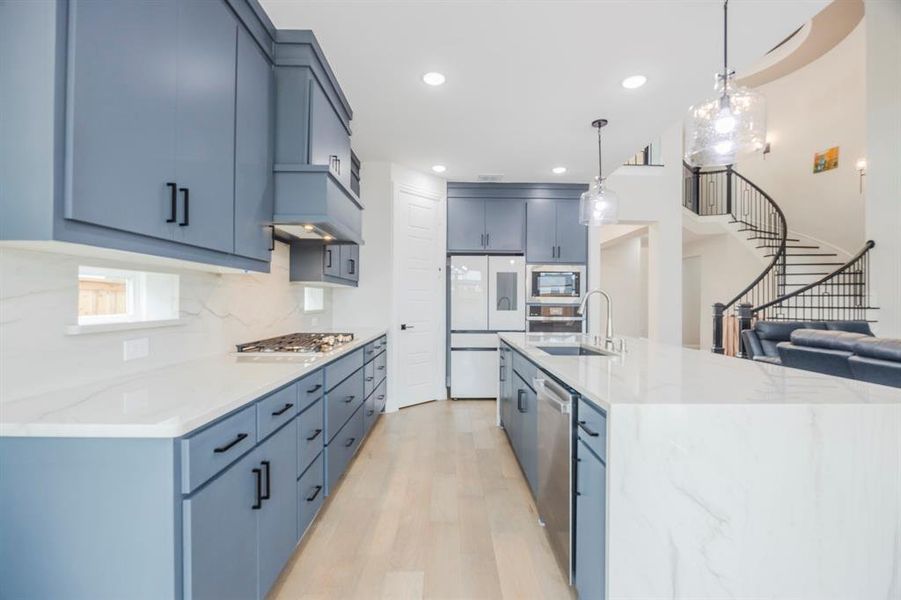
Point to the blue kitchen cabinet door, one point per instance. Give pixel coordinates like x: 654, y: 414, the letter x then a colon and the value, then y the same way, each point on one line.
x: 122, y: 100
x: 465, y: 224
x: 278, y: 535
x: 529, y: 439
x: 350, y: 262
x: 591, y: 499
x: 541, y: 230
x: 205, y: 124
x: 331, y: 260
x: 572, y: 236
x: 505, y: 225
x: 329, y: 140
x: 220, y: 529
x: 254, y: 135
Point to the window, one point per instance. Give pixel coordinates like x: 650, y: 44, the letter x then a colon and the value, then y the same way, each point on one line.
x: 121, y: 296
x: 313, y: 299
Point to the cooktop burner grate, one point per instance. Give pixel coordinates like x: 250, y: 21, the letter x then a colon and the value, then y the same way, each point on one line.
x: 298, y: 343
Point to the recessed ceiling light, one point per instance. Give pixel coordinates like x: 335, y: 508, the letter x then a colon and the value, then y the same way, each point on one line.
x: 308, y: 228
x: 434, y: 78
x: 559, y: 170
x: 635, y: 81
x: 327, y: 237
x: 439, y: 168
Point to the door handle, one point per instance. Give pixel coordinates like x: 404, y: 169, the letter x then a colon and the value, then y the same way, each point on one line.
x: 268, y: 491
x: 186, y: 221
x: 173, y: 200
x: 404, y: 326
x: 259, y: 486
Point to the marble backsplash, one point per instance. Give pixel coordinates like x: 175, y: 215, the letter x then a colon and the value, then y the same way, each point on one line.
x: 39, y: 297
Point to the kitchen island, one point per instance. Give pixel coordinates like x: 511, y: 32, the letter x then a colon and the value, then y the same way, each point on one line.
x: 727, y: 478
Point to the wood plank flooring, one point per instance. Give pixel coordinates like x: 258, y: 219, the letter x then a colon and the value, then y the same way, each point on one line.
x: 433, y: 506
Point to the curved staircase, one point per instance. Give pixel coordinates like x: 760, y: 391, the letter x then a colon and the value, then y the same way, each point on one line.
x: 802, y: 281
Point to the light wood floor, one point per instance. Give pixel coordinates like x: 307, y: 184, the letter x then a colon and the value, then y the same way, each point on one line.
x: 434, y: 506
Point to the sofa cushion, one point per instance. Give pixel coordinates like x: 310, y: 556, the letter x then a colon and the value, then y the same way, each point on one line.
x: 874, y: 370
x: 771, y: 333
x: 819, y: 360
x: 851, y: 326
x: 879, y: 348
x: 832, y: 340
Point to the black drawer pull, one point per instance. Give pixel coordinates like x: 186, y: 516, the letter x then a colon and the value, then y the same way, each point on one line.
x: 371, y: 412
x: 231, y: 444
x: 185, y: 222
x: 382, y: 368
x: 350, y: 442
x: 173, y: 200
x: 315, y: 493
x: 283, y: 410
x: 315, y: 388
x: 259, y: 477
x: 381, y: 396
x: 519, y: 403
x: 272, y: 238
x: 268, y: 492
x: 315, y: 435
x: 588, y: 430
x: 349, y: 399
x: 370, y: 378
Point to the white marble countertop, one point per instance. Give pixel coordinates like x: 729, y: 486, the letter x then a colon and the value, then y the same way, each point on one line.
x: 656, y: 373
x: 163, y: 403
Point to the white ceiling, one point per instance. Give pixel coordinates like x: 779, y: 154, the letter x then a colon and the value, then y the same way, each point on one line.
x: 526, y: 78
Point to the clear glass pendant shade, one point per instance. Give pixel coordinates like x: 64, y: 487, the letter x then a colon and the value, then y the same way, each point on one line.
x: 599, y: 205
x: 722, y: 129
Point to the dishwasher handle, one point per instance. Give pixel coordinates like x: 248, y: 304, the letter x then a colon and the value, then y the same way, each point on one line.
x: 553, y: 394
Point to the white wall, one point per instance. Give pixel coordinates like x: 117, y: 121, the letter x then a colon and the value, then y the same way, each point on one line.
x: 626, y: 281
x: 883, y: 181
x: 814, y: 108
x: 39, y: 299
x: 691, y: 301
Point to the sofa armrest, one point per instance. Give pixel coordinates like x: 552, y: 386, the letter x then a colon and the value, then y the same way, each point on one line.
x: 752, y: 343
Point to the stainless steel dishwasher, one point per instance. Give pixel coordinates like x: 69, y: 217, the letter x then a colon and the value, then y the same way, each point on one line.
x: 555, y: 463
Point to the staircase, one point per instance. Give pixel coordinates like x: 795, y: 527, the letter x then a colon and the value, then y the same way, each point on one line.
x: 802, y: 280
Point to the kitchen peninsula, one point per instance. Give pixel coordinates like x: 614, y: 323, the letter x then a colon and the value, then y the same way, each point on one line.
x: 724, y: 477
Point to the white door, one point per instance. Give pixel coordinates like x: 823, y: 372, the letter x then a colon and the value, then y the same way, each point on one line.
x: 419, y: 286
x: 506, y: 293
x: 469, y: 293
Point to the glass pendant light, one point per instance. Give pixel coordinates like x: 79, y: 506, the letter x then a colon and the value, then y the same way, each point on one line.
x: 730, y: 125
x: 599, y: 205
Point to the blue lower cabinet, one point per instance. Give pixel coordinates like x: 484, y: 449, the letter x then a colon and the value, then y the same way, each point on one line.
x: 310, y: 493
x: 278, y: 514
x: 590, y: 523
x: 524, y: 436
x: 342, y: 448
x: 370, y: 414
x: 220, y: 531
x: 342, y: 401
x: 310, y: 435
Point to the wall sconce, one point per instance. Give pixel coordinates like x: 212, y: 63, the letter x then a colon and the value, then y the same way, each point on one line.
x: 861, y: 170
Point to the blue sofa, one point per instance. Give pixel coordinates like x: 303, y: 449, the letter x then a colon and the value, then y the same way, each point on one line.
x: 761, y: 342
x: 844, y: 354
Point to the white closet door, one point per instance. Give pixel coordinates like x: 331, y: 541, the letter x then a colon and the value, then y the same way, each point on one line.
x: 506, y: 293
x: 469, y: 293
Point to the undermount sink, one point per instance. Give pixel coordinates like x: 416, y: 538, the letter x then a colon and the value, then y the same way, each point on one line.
x: 579, y: 350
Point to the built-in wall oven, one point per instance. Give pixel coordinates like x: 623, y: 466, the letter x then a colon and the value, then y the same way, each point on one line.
x: 554, y: 318
x: 556, y: 284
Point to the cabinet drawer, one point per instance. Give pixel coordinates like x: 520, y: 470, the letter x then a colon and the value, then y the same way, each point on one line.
x: 381, y: 367
x: 341, y: 449
x: 311, y: 388
x: 310, y: 492
x: 338, y: 371
x: 592, y: 428
x: 310, y: 435
x: 369, y: 382
x: 380, y: 396
x: 342, y: 401
x: 370, y: 414
x: 526, y: 369
x: 370, y: 350
x: 209, y: 451
x: 275, y: 410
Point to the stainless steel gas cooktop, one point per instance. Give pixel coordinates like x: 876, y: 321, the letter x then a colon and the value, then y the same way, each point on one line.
x: 297, y: 343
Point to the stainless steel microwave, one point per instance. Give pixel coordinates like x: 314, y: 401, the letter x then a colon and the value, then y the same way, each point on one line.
x: 556, y: 284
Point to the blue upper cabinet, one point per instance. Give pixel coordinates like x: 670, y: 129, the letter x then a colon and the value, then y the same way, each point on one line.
x: 465, y: 224
x: 554, y: 234
x: 205, y: 124
x: 122, y: 124
x: 254, y: 148
x: 329, y: 138
x: 479, y: 224
x: 505, y: 225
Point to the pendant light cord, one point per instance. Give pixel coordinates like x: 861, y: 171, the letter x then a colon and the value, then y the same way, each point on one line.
x: 600, y: 168
x: 725, y: 44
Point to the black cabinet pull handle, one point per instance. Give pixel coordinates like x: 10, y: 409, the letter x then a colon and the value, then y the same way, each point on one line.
x: 173, y: 200
x: 502, y: 378
x: 315, y: 435
x: 381, y: 396
x: 283, y: 410
x: 352, y: 266
x: 186, y: 193
x: 231, y: 444
x: 381, y: 368
x: 370, y: 378
x: 350, y: 442
x: 315, y: 388
x: 588, y: 430
x: 315, y: 493
x: 266, y: 495
x: 328, y: 258
x: 371, y: 412
x: 349, y: 399
x: 259, y: 477
x: 272, y: 238
x: 487, y: 240
x: 519, y: 395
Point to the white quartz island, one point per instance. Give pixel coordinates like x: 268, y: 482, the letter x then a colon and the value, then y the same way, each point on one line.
x: 728, y: 478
